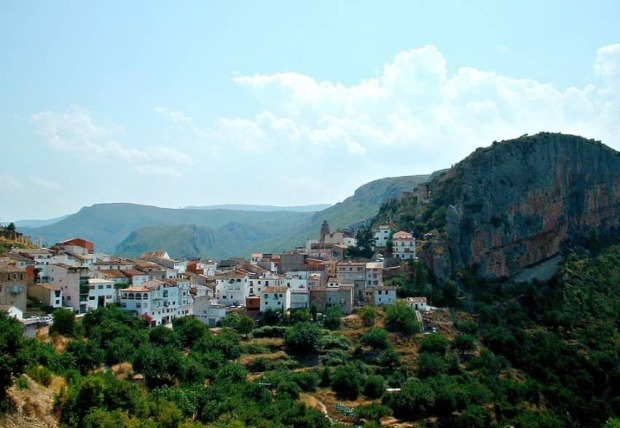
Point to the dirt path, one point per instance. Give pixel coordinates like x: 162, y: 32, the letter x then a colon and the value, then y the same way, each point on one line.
x: 313, y: 402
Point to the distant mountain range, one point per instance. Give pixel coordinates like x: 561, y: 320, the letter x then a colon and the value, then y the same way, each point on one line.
x: 269, y: 208
x: 215, y: 232
x: 39, y: 223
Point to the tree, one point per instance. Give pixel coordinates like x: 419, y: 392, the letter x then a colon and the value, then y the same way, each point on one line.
x: 464, y: 343
x: 365, y: 243
x: 434, y: 344
x: 302, y: 338
x: 374, y: 387
x: 86, y: 356
x: 245, y: 326
x: 189, y: 330
x: 376, y: 338
x: 369, y: 315
x: 332, y: 318
x: 64, y: 322
x: 400, y: 318
x: 300, y: 315
x: 346, y: 381
x: 163, y: 336
x: 159, y: 365
x: 11, y: 359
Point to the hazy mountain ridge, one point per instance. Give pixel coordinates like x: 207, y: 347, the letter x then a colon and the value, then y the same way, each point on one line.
x: 268, y: 208
x: 125, y: 229
x: 109, y: 224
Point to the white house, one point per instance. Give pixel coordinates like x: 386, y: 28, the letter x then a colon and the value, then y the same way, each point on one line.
x: 382, y: 236
x: 258, y: 284
x: 186, y: 301
x: 232, y: 289
x: 275, y: 298
x: 101, y: 293
x: 12, y: 311
x: 300, y: 298
x: 208, y: 310
x: 156, y: 300
x: 46, y: 294
x: 417, y: 303
x: 384, y: 296
x: 403, y: 245
x: 374, y: 274
x: 296, y: 280
x: 72, y: 280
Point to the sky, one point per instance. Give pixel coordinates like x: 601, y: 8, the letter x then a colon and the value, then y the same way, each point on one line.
x: 283, y: 103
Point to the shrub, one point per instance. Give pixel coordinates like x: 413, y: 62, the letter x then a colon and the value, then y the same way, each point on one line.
x: 376, y: 338
x: 374, y: 387
x: 40, y: 375
x: 400, y: 318
x: 270, y: 331
x: 434, y: 344
x: 346, y: 381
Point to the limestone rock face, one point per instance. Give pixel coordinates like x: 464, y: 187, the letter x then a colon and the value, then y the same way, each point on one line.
x: 514, y: 204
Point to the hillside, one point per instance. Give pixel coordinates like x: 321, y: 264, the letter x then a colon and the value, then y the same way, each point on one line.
x: 243, y: 207
x: 515, y: 204
x: 362, y: 206
x: 109, y: 224
x: 187, y: 241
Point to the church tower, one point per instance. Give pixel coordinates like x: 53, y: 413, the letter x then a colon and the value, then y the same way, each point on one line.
x: 324, y: 230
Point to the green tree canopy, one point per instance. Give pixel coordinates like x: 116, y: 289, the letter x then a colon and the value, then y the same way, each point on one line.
x: 64, y: 322
x: 11, y: 359
x: 400, y: 318
x: 303, y: 338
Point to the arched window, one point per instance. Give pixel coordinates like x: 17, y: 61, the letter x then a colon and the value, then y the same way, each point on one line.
x: 130, y: 296
x: 145, y: 296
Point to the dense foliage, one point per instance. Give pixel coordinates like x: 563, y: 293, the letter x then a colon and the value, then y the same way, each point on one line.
x: 524, y: 355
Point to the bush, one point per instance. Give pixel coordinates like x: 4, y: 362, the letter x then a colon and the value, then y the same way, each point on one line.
x: 40, y: 374
x: 373, y: 412
x: 302, y: 338
x: 401, y: 319
x: 307, y: 381
x: 466, y: 326
x: 434, y: 344
x: 270, y: 331
x: 374, y: 387
x: 332, y: 318
x: 376, y: 338
x: 346, y: 381
x: 21, y: 383
x: 289, y: 389
x: 64, y: 322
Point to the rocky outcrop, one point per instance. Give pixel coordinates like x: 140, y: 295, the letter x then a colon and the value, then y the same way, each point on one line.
x: 515, y: 204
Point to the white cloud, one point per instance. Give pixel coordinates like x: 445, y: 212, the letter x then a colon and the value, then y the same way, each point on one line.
x: 10, y: 183
x: 413, y: 116
x: 177, y: 117
x: 416, y: 107
x: 161, y: 171
x: 46, y: 184
x: 77, y: 132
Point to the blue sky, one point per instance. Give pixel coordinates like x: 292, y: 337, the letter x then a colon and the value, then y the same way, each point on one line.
x: 283, y: 103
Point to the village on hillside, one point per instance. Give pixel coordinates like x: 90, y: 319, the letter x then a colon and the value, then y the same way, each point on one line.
x: 317, y: 276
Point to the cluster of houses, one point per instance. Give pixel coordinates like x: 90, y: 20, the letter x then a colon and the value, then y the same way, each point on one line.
x: 158, y: 288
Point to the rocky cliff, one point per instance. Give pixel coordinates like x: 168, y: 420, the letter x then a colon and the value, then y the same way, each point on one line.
x: 515, y: 204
